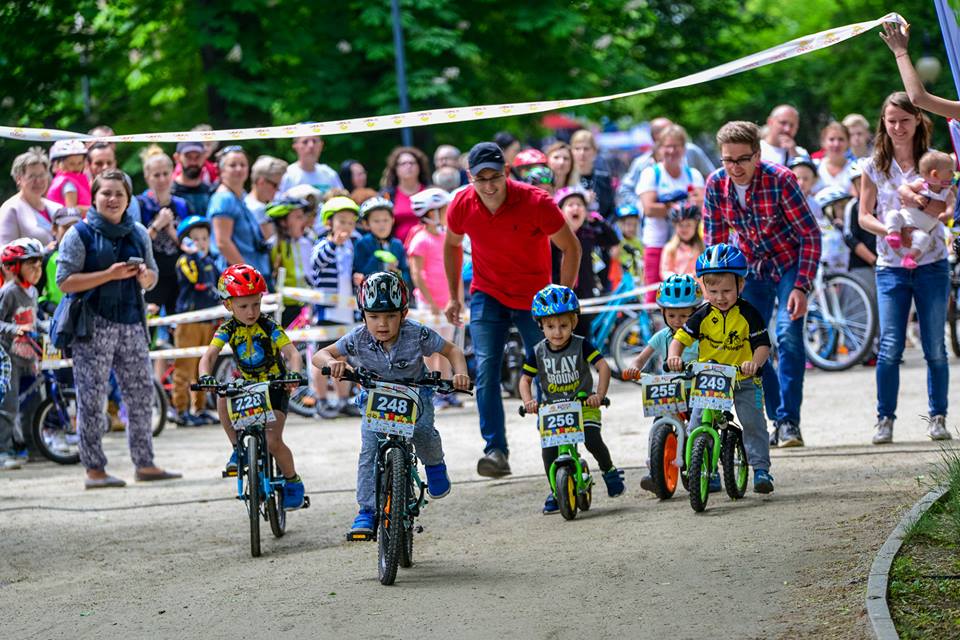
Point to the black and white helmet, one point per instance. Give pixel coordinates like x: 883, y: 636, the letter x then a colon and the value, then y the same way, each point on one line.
x: 383, y: 291
x: 428, y: 200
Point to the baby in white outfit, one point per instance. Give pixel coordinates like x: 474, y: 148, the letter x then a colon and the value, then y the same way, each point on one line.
x: 935, y: 183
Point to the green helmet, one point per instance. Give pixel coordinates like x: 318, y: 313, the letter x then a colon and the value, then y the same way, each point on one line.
x: 335, y: 204
x: 282, y: 208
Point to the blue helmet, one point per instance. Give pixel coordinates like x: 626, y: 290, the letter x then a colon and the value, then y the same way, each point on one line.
x: 191, y: 222
x: 679, y: 291
x: 553, y: 300
x: 722, y: 258
x: 628, y: 211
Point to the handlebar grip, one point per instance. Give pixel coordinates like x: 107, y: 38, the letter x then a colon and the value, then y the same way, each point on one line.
x: 325, y: 371
x: 605, y: 402
x: 522, y: 411
x: 195, y: 387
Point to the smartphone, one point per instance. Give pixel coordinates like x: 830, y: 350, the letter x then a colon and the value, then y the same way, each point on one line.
x: 134, y: 262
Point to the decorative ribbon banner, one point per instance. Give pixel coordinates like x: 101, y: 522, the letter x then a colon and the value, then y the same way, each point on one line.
x: 791, y: 49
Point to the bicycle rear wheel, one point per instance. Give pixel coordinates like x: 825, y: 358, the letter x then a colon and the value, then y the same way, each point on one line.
x: 628, y: 340
x: 840, y: 325
x: 276, y: 514
x: 253, y: 493
x: 158, y: 408
x: 953, y: 317
x: 55, y: 433
x: 734, y: 459
x: 406, y: 549
x: 391, y: 507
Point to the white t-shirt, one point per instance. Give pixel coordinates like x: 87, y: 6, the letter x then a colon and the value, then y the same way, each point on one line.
x: 778, y: 155
x: 839, y: 181
x: 888, y: 200
x: 741, y: 191
x: 257, y: 208
x: 19, y: 220
x: 322, y: 178
x: 656, y: 231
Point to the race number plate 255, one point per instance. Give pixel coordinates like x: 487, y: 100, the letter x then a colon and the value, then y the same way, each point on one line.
x: 662, y: 395
x: 561, y: 423
x: 251, y: 408
x: 390, y: 410
x: 713, y: 386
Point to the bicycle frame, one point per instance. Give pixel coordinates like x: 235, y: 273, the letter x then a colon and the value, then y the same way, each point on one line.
x: 568, y: 455
x: 711, y: 423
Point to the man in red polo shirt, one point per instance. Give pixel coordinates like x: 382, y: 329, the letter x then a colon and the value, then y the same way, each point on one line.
x: 511, y: 225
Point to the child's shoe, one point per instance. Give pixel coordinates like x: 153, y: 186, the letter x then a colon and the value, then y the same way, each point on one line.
x: 453, y: 401
x: 348, y: 408
x: 438, y: 482
x: 550, y: 505
x: 646, y: 483
x: 186, y: 419
x: 614, y: 481
x: 908, y: 262
x: 205, y: 418
x: 8, y: 462
x: 363, y: 523
x: 439, y: 401
x: 293, y: 494
x: 232, y: 463
x: 894, y: 240
x: 715, y: 484
x: 113, y: 415
x: 762, y: 481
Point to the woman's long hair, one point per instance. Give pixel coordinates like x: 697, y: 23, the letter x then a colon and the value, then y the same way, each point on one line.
x: 883, y: 144
x: 389, y: 180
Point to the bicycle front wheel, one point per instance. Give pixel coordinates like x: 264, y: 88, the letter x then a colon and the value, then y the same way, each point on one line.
x: 392, y: 505
x: 566, y: 492
x: 840, y: 325
x: 700, y: 472
x: 253, y: 493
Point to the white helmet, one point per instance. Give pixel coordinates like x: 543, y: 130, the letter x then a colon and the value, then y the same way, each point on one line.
x: 64, y: 148
x: 428, y: 200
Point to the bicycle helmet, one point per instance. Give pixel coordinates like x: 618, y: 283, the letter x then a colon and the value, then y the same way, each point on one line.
x: 66, y: 148
x: 281, y: 208
x: 538, y: 175
x: 240, y: 280
x: 830, y: 196
x: 855, y: 171
x: 427, y: 200
x: 628, y: 211
x: 374, y: 203
x: 679, y: 291
x: 306, y: 192
x: 191, y: 222
x: 19, y: 251
x: 802, y: 161
x: 383, y: 291
x: 722, y: 258
x: 562, y: 194
x: 529, y: 158
x: 335, y: 205
x: 553, y: 300
x: 685, y: 212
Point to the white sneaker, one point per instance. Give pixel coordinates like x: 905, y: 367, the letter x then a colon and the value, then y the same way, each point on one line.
x: 8, y: 462
x: 884, y: 433
x: 938, y: 428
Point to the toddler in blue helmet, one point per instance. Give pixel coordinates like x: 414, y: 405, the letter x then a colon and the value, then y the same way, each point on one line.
x: 561, y: 363
x: 731, y: 332
x: 678, y: 297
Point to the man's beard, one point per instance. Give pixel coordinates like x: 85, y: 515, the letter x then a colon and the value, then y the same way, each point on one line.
x: 192, y: 173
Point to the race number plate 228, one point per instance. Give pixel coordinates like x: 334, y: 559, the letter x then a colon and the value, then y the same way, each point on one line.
x: 561, y: 423
x: 713, y: 386
x: 251, y: 408
x: 662, y: 395
x: 390, y: 410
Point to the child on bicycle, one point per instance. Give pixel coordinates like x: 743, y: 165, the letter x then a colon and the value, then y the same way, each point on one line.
x: 561, y: 363
x: 393, y: 348
x: 260, y: 348
x: 678, y: 297
x: 731, y: 332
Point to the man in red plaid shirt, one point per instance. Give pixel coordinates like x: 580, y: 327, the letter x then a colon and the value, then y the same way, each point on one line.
x: 762, y: 205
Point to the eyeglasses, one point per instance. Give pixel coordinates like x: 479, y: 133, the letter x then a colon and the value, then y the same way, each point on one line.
x: 406, y: 163
x: 742, y: 160
x: 484, y: 181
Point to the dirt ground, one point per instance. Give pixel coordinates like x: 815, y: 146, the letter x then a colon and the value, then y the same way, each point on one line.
x: 172, y: 561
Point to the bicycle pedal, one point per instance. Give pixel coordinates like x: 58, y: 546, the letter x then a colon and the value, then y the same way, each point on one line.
x: 359, y: 536
x: 228, y: 474
x: 306, y: 502
x: 418, y: 529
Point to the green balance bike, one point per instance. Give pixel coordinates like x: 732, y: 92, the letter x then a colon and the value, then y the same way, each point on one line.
x: 561, y: 426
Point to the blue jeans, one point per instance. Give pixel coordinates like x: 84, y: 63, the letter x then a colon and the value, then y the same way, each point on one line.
x: 928, y: 286
x: 489, y: 322
x: 783, y: 389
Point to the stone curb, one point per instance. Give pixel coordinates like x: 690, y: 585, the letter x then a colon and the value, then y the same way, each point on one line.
x: 879, y: 577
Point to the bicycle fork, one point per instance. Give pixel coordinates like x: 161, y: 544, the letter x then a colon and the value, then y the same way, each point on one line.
x: 568, y: 456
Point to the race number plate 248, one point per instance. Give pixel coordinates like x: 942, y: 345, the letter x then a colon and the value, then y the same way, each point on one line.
x: 390, y: 410
x: 561, y: 423
x: 713, y: 386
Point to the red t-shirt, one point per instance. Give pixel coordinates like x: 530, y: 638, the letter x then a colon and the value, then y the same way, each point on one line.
x: 511, y: 249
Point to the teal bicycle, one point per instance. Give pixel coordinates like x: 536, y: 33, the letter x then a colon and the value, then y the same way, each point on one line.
x: 561, y: 426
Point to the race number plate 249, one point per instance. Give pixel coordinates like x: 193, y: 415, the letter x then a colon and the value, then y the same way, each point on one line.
x: 390, y: 410
x: 713, y: 386
x: 251, y: 408
x: 561, y: 423
x: 662, y: 395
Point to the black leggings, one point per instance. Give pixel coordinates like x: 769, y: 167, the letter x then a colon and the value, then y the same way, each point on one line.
x: 594, y: 444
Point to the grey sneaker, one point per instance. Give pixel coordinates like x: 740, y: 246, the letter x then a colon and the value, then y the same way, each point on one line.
x: 494, y: 465
x: 884, y: 433
x: 8, y: 462
x: 790, y: 434
x: 938, y: 428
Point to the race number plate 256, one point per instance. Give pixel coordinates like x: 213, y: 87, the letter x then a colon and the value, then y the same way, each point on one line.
x: 561, y: 423
x: 390, y: 410
x: 251, y: 408
x: 713, y: 386
x: 662, y: 395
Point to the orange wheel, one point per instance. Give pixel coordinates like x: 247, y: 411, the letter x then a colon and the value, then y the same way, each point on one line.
x: 671, y: 473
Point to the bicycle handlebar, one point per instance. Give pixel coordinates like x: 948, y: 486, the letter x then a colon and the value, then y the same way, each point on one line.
x: 685, y: 374
x: 369, y: 380
x: 226, y: 389
x: 522, y: 410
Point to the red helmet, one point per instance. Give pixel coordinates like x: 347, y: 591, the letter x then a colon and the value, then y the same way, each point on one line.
x: 529, y: 158
x: 240, y: 280
x: 20, y: 250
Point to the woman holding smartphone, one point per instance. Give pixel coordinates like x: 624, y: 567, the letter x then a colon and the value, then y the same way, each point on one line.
x: 108, y: 259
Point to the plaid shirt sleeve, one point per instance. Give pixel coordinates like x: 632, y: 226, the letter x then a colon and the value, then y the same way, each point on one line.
x: 715, y: 229
x: 799, y: 216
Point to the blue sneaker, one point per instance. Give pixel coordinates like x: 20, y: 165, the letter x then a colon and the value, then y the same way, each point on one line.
x: 762, y: 481
x: 363, y: 523
x: 438, y: 482
x: 550, y: 505
x: 614, y: 481
x: 232, y: 462
x: 292, y: 495
x: 715, y: 484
